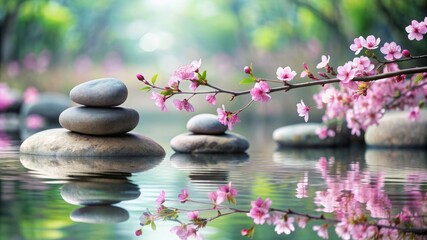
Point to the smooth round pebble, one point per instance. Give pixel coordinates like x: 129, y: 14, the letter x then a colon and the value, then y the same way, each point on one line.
x: 62, y: 142
x: 103, y: 92
x: 304, y: 135
x: 206, y: 124
x: 200, y: 143
x: 99, y: 121
x: 396, y: 130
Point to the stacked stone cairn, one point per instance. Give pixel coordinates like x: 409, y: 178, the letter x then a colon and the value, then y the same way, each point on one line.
x: 97, y: 128
x: 208, y: 135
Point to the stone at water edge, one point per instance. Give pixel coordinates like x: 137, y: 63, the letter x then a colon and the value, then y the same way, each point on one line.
x: 103, y: 92
x: 62, y: 142
x: 396, y: 130
x: 201, y: 143
x: 304, y: 135
x: 206, y: 124
x: 99, y: 121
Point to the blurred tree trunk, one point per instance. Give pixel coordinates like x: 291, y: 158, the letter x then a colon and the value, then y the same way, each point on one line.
x: 6, y: 25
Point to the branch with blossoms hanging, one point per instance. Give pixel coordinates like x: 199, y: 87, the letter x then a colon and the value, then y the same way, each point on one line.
x: 351, y: 220
x: 368, y: 86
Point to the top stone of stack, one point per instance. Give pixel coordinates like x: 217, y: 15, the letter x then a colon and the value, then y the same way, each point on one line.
x: 103, y: 92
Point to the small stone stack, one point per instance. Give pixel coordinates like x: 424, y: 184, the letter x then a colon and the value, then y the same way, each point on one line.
x: 97, y: 128
x: 99, y: 114
x: 208, y: 135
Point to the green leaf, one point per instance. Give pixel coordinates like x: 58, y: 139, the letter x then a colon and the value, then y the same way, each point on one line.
x: 153, y: 226
x: 166, y: 92
x: 204, y: 74
x: 418, y: 78
x: 154, y: 78
x: 247, y: 80
x: 146, y: 88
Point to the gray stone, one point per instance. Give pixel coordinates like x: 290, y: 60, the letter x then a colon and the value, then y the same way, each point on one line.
x: 199, y: 143
x: 206, y: 124
x: 47, y: 107
x: 99, y: 121
x: 396, y: 130
x: 102, y: 214
x: 64, y: 167
x: 62, y: 142
x: 304, y: 135
x: 95, y: 191
x: 103, y: 92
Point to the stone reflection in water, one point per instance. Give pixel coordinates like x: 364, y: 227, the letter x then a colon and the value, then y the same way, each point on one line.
x: 100, y: 214
x: 409, y: 159
x: 94, y: 182
x: 64, y: 167
x: 208, y: 167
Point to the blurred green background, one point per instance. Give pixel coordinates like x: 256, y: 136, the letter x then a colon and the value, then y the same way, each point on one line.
x: 56, y: 44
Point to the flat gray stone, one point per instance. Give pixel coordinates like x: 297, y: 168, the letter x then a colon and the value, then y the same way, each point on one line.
x: 200, y: 143
x: 99, y: 191
x: 206, y: 124
x: 100, y: 214
x: 62, y: 142
x: 304, y: 135
x: 103, y: 92
x: 99, y: 121
x: 396, y: 130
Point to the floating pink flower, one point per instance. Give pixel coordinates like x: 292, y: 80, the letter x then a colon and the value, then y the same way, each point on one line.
x: 285, y: 74
x: 371, y: 42
x: 211, y: 99
x: 260, y: 92
x: 357, y: 46
x: 184, y: 104
x: 324, y: 62
x: 303, y: 110
x: 183, y: 196
x: 416, y: 30
x: 346, y: 73
x: 391, y: 50
x: 283, y: 226
x: 159, y: 100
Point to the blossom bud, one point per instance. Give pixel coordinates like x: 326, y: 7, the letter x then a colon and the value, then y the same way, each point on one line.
x: 247, y: 70
x: 406, y: 53
x: 138, y: 232
x: 140, y: 77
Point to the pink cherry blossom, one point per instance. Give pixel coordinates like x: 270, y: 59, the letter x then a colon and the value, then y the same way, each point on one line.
x: 30, y: 95
x: 161, y: 199
x: 159, y: 100
x: 232, y: 121
x: 260, y: 210
x: 344, y: 229
x: 6, y: 98
x: 363, y: 66
x: 211, y: 99
x: 324, y: 132
x: 283, y: 226
x: 193, y: 215
x: 35, y: 121
x: 227, y: 118
x: 184, y: 104
x: 229, y: 191
x: 391, y: 50
x: 183, y: 196
x: 217, y: 197
x: 145, y: 218
x: 357, y: 45
x: 195, y: 64
x: 302, y: 221
x: 303, y: 110
x: 285, y: 74
x: 260, y: 92
x: 186, y: 231
x: 322, y: 231
x: 414, y: 114
x: 346, y: 73
x: 194, y: 85
x: 416, y: 30
x: 371, y: 42
x: 324, y: 62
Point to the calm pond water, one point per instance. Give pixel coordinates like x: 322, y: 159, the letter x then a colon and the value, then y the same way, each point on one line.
x: 43, y: 198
